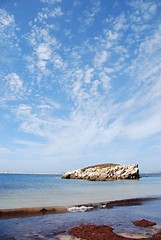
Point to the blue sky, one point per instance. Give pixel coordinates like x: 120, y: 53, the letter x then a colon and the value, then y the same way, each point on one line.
x: 80, y: 84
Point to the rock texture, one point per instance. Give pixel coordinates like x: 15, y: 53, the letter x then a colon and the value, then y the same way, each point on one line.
x: 104, y: 232
x: 144, y: 223
x: 105, y: 172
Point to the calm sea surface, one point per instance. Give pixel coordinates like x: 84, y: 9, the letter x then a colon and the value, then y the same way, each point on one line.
x: 48, y: 190
x: 29, y: 190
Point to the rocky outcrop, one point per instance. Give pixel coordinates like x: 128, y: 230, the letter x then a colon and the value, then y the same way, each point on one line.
x: 105, y: 172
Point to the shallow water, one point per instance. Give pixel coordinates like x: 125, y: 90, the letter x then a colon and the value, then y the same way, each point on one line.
x: 120, y: 218
x: 45, y: 190
x: 22, y: 190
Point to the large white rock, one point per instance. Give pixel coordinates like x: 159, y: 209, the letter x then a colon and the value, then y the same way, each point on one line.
x: 105, y: 172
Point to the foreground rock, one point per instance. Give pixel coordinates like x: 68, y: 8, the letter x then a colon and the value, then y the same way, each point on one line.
x: 105, y: 172
x: 96, y: 232
x: 104, y: 232
x: 144, y: 223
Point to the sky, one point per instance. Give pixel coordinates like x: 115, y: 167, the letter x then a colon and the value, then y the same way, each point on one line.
x: 80, y: 84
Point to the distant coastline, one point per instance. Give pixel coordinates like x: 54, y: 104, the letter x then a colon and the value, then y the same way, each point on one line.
x: 48, y: 173
x: 150, y: 172
x: 38, y: 173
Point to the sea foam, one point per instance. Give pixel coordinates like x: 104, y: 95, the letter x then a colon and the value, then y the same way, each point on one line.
x: 79, y: 209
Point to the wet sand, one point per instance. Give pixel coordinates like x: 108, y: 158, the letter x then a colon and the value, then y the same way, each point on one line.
x: 31, y: 212
x: 38, y: 211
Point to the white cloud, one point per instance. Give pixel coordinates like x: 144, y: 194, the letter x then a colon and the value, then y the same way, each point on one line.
x: 12, y: 89
x: 143, y: 9
x: 94, y: 88
x: 89, y: 15
x: 56, y: 13
x: 51, y: 1
x: 15, y: 84
x: 112, y: 35
x: 145, y: 128
x: 39, y: 119
x: 152, y: 42
x: 57, y: 61
x: 88, y: 75
x: 44, y: 46
x: 9, y: 43
x: 5, y: 19
x: 45, y: 14
x: 105, y: 79
x: 43, y: 51
x: 146, y: 68
x: 100, y: 58
x: 108, y: 70
x: 48, y: 103
x: 83, y: 83
x: 30, y: 122
x: 7, y: 26
x: 120, y: 24
x: 42, y: 16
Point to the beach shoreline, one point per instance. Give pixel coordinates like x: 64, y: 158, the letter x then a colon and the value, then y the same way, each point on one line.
x: 115, y: 218
x: 31, y: 212
x: 44, y: 210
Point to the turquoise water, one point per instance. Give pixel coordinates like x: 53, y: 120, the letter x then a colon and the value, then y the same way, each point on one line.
x: 29, y: 190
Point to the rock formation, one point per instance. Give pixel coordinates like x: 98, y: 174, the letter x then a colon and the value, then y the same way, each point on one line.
x: 105, y: 172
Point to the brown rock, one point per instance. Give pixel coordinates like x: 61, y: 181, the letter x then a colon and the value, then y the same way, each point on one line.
x: 144, y: 223
x: 157, y: 236
x: 95, y: 232
x: 103, y: 177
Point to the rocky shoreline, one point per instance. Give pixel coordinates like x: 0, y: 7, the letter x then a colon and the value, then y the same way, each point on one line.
x: 105, y: 172
x: 105, y: 232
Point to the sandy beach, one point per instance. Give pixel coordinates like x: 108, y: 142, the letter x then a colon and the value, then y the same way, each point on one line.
x: 38, y: 211
x: 30, y: 212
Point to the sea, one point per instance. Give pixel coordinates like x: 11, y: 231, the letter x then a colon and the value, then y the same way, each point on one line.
x: 40, y: 190
x: 37, y: 190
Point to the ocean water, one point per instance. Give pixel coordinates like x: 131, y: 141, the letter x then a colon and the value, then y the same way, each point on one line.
x: 120, y: 218
x: 33, y: 190
x: 49, y: 190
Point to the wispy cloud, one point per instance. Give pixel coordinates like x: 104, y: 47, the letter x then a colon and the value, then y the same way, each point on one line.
x: 51, y: 1
x: 89, y: 15
x: 44, y: 46
x: 9, y: 42
x: 86, y: 83
x: 4, y: 150
x: 143, y: 10
x: 14, y: 84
